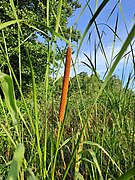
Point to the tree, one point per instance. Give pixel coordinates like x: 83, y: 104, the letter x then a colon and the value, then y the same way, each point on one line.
x: 34, y: 12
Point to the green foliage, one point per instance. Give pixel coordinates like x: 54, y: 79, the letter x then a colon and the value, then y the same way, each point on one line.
x: 31, y: 12
x: 96, y: 138
x: 16, y: 163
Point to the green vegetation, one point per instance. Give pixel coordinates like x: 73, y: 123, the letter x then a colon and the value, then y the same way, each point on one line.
x: 96, y: 139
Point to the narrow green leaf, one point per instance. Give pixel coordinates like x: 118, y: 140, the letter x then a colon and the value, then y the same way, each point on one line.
x: 47, y: 12
x: 14, y: 12
x: 90, y: 23
x: 100, y: 38
x: 16, y: 163
x: 65, y: 142
x: 118, y: 58
x: 8, y: 90
x: 91, y: 66
x: 111, y: 30
x: 8, y: 135
x: 51, y: 31
x: 96, y: 162
x: 95, y: 144
x: 58, y: 15
x: 4, y: 25
x: 35, y: 107
x: 130, y: 173
x: 81, y: 13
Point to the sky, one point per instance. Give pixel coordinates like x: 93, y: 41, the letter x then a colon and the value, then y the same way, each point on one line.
x: 128, y: 11
x: 126, y: 16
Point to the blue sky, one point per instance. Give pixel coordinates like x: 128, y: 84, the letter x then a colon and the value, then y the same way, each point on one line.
x: 128, y: 10
x: 128, y: 7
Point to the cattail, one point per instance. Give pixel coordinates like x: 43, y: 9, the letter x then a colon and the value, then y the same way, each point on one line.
x: 65, y: 84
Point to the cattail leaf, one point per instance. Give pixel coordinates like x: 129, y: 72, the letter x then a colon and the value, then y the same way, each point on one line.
x: 16, y: 163
x: 8, y: 91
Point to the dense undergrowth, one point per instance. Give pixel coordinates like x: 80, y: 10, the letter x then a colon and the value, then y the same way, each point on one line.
x: 110, y: 125
x: 95, y: 140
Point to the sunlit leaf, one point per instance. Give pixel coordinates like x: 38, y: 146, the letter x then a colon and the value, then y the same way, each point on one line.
x: 8, y: 91
x: 4, y: 25
x: 130, y: 173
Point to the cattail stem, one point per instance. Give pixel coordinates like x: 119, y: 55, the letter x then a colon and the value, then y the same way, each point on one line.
x: 65, y: 84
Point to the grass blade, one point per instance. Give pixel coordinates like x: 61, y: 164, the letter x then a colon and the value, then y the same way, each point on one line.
x: 90, y: 23
x: 14, y: 12
x: 91, y: 66
x: 123, y: 49
x: 4, y: 25
x: 96, y: 162
x: 100, y: 38
x: 51, y: 31
x: 130, y: 173
x: 16, y: 163
x: 95, y: 144
x: 8, y: 135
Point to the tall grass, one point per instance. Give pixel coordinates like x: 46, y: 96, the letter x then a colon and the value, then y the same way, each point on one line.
x: 96, y: 138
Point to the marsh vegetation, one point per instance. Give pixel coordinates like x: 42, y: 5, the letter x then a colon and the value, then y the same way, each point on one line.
x: 96, y: 138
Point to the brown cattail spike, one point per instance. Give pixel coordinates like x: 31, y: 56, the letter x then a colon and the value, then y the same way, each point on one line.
x: 65, y: 84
